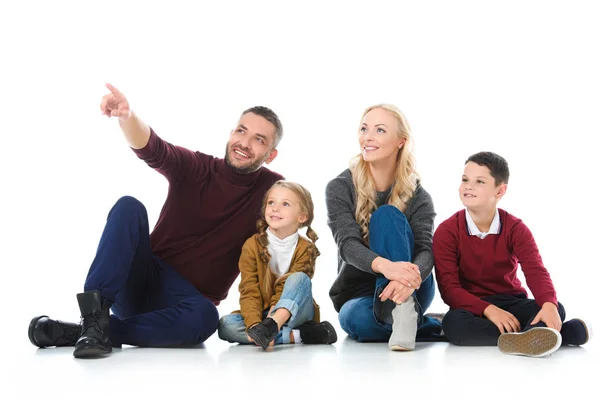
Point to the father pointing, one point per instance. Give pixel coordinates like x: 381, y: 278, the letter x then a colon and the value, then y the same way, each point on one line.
x: 163, y: 287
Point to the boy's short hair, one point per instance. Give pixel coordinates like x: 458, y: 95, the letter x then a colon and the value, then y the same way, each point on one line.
x: 496, y: 164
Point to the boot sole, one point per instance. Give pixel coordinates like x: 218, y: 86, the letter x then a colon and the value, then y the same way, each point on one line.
x: 32, y: 327
x: 536, y: 342
x: 90, y: 352
x: 331, y: 334
x: 258, y: 340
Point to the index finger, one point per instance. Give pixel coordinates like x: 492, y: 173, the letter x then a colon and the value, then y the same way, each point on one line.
x: 115, y: 91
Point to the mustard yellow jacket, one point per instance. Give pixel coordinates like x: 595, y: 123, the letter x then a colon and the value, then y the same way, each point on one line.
x: 253, y: 269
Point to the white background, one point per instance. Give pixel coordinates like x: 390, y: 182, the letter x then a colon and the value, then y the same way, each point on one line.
x: 520, y: 78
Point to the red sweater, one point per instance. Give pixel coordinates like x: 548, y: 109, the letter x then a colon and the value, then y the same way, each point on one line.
x: 209, y: 213
x: 468, y: 268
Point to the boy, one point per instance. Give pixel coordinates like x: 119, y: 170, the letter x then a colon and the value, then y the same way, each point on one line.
x: 476, y: 252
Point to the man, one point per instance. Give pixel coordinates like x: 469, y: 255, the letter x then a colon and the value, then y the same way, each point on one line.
x: 163, y: 287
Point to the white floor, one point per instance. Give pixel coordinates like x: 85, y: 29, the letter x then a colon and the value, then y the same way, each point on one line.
x: 344, y: 370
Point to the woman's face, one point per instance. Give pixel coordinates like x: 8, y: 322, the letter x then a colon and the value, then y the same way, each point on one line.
x: 378, y: 138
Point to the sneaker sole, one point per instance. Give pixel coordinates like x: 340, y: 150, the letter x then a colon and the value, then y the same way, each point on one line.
x: 536, y: 342
x: 32, y: 327
x: 400, y: 348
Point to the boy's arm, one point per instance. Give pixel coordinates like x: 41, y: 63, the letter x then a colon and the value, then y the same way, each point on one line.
x: 445, y: 253
x: 251, y: 305
x: 537, y: 277
x: 301, y: 263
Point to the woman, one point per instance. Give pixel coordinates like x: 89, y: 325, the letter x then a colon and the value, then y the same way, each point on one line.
x: 382, y: 221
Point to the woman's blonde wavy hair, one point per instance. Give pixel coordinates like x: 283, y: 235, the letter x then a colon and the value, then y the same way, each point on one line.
x: 308, y: 209
x: 405, y: 182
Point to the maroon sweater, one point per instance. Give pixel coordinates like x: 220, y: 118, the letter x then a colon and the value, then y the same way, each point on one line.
x: 468, y: 268
x: 209, y: 213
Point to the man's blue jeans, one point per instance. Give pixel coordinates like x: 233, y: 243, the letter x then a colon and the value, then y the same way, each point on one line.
x: 153, y: 305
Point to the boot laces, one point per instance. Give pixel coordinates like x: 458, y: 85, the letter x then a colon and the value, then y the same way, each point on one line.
x: 91, y: 321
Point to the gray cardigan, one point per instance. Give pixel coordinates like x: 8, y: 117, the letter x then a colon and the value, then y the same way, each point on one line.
x: 355, y: 276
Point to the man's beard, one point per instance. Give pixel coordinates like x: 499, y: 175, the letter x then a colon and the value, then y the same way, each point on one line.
x: 245, y: 170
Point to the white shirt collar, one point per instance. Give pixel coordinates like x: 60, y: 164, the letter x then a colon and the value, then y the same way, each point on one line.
x: 281, y: 251
x: 474, y: 231
x: 289, y: 241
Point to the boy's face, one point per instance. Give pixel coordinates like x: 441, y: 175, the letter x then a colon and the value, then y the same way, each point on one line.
x: 478, y: 190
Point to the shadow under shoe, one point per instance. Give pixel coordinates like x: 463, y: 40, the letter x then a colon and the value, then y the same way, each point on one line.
x: 404, y: 326
x: 46, y: 332
x: 312, y: 332
x: 264, y: 332
x: 535, y: 342
x: 95, y: 325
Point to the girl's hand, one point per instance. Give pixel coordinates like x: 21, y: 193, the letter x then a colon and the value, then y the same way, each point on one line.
x: 396, y: 291
x: 548, y: 315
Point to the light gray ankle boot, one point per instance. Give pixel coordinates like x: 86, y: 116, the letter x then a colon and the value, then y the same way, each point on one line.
x: 404, y: 327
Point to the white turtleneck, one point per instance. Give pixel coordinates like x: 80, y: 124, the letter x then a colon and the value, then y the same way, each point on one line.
x: 281, y: 251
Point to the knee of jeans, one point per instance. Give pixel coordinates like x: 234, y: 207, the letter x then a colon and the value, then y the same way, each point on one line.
x: 203, y: 321
x: 129, y: 204
x: 387, y: 212
x: 225, y: 324
x: 450, y: 323
x: 344, y: 317
x: 348, y: 317
x: 298, y: 279
x: 383, y: 218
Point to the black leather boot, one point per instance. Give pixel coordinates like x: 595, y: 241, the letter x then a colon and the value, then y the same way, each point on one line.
x: 95, y: 325
x: 46, y: 332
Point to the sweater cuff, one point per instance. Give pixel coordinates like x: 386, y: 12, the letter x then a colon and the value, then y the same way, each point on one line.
x: 149, y: 149
x: 479, y: 307
x: 550, y: 298
x: 425, y: 267
x: 358, y: 256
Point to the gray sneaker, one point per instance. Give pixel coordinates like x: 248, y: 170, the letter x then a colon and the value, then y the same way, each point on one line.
x: 404, y: 327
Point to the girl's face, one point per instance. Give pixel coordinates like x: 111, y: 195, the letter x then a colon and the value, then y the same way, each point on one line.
x: 378, y: 138
x: 283, y: 213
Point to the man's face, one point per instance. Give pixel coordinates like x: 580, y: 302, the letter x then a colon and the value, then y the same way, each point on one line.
x: 250, y: 144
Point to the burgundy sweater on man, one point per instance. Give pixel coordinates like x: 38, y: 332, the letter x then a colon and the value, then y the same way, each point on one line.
x: 209, y: 213
x: 468, y: 268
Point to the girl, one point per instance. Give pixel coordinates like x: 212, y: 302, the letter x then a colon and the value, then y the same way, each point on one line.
x: 277, y: 264
x: 382, y: 220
